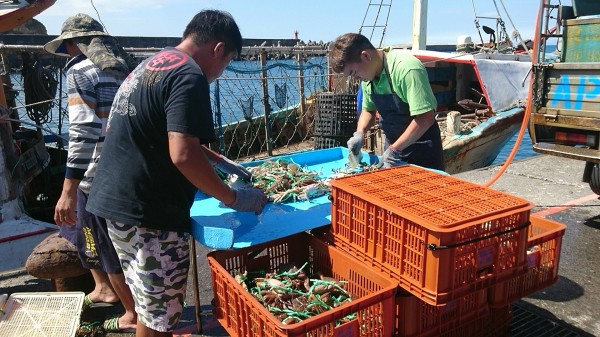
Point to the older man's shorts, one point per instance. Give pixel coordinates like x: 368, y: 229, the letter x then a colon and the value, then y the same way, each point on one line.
x: 94, y: 246
x: 155, y: 264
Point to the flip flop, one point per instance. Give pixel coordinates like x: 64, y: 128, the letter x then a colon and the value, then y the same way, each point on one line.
x: 112, y: 325
x: 89, y: 304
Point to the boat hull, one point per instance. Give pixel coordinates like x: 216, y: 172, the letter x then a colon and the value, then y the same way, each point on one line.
x: 480, y: 147
x: 18, y: 237
x: 470, y: 150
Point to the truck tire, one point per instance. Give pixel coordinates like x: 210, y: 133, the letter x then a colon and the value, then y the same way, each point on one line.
x: 595, y: 179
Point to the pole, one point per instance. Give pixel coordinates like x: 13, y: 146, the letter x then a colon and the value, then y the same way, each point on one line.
x: 194, y: 262
x: 219, y: 116
x: 9, y: 189
x: 419, y: 41
x: 59, y: 140
x: 301, y: 82
x: 263, y: 64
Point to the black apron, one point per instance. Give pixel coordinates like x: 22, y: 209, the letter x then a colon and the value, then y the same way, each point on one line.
x: 395, y: 118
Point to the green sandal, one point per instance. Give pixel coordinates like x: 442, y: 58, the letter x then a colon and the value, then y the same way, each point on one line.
x: 112, y: 325
x: 90, y: 329
x: 89, y: 304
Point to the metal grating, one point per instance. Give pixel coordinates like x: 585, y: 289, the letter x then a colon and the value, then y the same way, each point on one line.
x: 528, y: 324
x: 42, y: 314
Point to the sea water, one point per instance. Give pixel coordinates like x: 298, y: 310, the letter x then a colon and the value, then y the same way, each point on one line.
x: 525, y: 149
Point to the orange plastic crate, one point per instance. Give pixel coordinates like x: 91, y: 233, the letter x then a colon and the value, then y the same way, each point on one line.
x: 495, y: 324
x: 415, y: 318
x: 543, y: 257
x: 242, y: 315
x: 441, y: 237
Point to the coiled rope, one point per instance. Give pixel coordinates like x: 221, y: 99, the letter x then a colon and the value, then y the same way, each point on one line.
x: 39, y: 85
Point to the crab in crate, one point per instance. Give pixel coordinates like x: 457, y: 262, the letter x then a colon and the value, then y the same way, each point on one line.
x: 293, y: 296
x: 284, y: 180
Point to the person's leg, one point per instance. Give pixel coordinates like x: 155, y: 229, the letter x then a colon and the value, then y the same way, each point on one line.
x: 103, y: 290
x: 111, y: 266
x: 88, y: 254
x: 129, y: 318
x: 155, y: 264
x: 144, y: 331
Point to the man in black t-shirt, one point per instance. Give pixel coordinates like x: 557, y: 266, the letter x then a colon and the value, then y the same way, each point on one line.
x: 154, y: 159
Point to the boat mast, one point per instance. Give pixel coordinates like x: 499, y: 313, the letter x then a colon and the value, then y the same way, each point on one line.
x: 419, y: 41
x: 381, y: 15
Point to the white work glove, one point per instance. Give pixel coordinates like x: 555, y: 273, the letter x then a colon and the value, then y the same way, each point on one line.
x: 392, y: 158
x: 228, y: 166
x: 356, y: 142
x: 249, y: 200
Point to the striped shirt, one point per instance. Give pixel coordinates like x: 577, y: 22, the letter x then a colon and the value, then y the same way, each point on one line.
x: 90, y: 95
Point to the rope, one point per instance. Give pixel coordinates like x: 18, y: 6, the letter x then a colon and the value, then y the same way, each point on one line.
x: 515, y: 148
x: 477, y: 26
x: 274, y: 65
x: 501, y: 23
x: 518, y: 35
x: 40, y: 85
x: 32, y: 124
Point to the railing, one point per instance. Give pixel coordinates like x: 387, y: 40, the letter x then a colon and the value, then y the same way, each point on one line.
x: 263, y: 104
x: 267, y: 103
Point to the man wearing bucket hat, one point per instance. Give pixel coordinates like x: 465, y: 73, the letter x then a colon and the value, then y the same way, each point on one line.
x: 95, y: 70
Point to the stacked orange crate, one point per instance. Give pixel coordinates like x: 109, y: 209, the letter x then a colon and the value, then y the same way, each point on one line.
x: 417, y: 318
x: 543, y: 257
x: 442, y: 238
x: 495, y: 324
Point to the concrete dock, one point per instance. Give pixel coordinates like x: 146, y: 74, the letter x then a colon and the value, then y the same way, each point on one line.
x: 568, y: 308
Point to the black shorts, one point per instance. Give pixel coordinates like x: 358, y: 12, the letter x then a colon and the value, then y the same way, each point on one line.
x: 95, y: 249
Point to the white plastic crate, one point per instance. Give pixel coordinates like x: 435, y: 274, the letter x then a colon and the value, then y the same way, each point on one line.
x: 53, y: 314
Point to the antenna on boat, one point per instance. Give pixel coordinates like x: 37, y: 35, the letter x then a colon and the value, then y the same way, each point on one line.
x: 380, y: 20
x: 99, y: 19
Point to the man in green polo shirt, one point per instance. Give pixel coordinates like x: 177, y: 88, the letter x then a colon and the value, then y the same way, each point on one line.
x: 397, y: 86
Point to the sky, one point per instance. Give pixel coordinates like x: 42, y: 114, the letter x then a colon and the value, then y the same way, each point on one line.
x: 314, y: 20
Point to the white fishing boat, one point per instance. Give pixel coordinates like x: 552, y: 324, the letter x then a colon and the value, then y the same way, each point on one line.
x: 19, y: 233
x: 490, y: 90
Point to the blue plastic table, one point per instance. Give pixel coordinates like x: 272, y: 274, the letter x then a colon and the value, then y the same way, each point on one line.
x: 217, y: 226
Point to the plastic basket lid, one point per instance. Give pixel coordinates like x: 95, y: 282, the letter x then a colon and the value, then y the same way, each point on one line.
x: 54, y: 314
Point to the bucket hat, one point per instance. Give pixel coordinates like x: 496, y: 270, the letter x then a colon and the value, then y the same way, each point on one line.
x: 76, y: 26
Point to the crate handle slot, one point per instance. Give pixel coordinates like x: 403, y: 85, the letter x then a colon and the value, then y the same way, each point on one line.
x: 434, y: 247
x: 253, y: 254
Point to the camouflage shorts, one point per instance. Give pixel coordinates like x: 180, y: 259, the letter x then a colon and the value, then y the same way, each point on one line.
x: 155, y: 264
